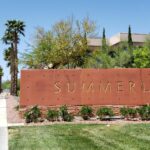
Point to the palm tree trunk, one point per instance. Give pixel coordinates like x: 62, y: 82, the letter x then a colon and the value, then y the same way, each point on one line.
x: 0, y: 84
x: 16, y: 73
x: 13, y: 74
x: 14, y: 69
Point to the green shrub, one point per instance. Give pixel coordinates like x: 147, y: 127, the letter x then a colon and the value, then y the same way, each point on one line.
x: 132, y: 112
x: 104, y: 112
x: 128, y: 112
x: 32, y: 115
x: 52, y: 115
x: 64, y: 114
x: 124, y: 111
x: 68, y: 117
x: 86, y: 112
x: 144, y: 112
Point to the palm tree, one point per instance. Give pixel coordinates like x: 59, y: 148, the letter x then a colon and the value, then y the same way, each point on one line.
x: 7, y: 56
x: 11, y: 37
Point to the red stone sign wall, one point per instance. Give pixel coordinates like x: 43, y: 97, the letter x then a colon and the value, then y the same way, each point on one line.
x: 85, y: 87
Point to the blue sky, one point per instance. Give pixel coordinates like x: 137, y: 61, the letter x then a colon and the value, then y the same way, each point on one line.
x: 114, y: 15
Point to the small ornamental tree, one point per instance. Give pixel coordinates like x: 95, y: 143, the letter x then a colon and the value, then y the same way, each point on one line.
x: 64, y: 46
x: 130, y: 42
x: 104, y: 40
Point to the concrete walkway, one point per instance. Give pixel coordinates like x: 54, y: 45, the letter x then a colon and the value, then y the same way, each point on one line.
x: 3, y: 123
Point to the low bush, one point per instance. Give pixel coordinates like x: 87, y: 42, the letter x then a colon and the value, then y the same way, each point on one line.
x: 144, y: 112
x: 104, y: 112
x: 128, y: 112
x: 86, y: 112
x: 132, y: 112
x: 52, y: 115
x: 65, y: 114
x: 32, y: 115
x: 124, y: 111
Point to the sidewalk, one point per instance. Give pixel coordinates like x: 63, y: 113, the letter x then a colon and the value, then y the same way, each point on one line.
x: 3, y: 124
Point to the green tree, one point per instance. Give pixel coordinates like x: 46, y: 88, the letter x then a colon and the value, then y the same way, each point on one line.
x: 99, y: 59
x: 130, y: 42
x: 112, y: 57
x: 11, y: 37
x: 142, y: 57
x: 7, y: 56
x: 123, y: 56
x: 64, y: 46
x: 104, y: 42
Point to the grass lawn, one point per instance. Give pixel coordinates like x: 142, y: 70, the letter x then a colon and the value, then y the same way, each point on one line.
x: 80, y: 137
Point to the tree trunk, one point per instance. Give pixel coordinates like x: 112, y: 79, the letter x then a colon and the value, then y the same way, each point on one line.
x: 11, y: 68
x: 14, y: 71
x: 15, y: 67
x: 0, y: 84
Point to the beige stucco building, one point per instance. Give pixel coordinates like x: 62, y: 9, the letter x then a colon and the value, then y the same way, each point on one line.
x: 138, y: 40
